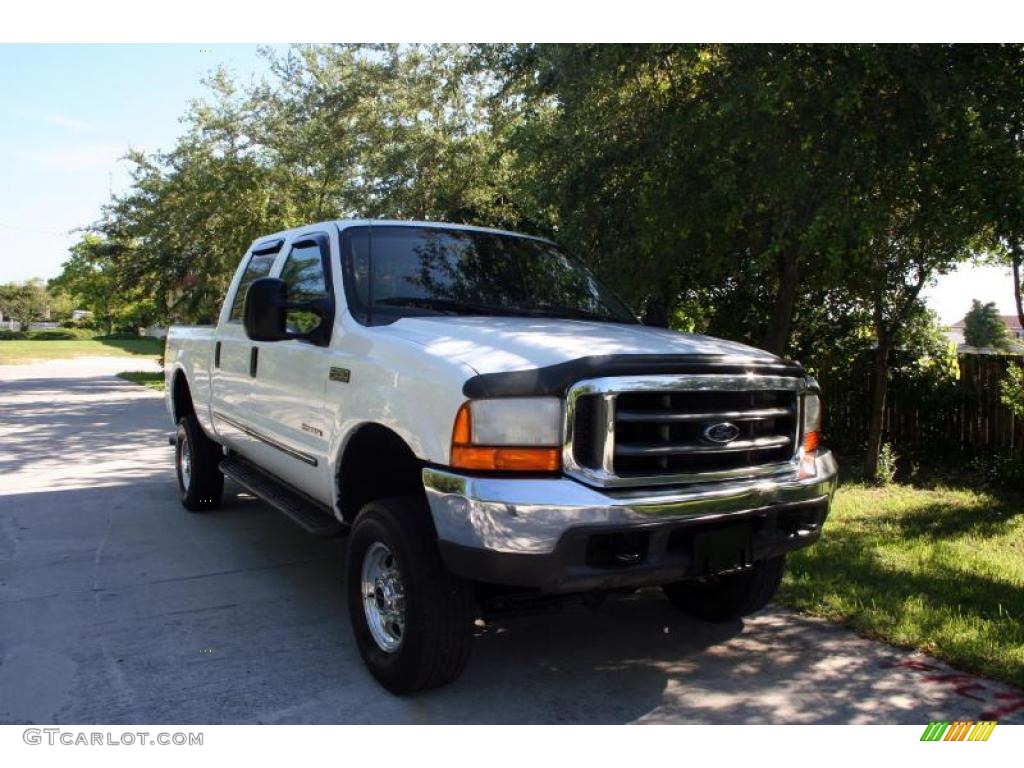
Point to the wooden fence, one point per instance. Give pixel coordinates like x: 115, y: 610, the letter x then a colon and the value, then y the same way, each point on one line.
x: 965, y: 416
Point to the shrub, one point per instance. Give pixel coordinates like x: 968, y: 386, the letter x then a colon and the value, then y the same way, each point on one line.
x: 119, y: 336
x: 53, y: 335
x: 87, y: 325
x: 1011, y: 469
x: 64, y: 334
x: 48, y: 334
x: 1012, y: 389
x: 1011, y: 472
x: 886, y: 470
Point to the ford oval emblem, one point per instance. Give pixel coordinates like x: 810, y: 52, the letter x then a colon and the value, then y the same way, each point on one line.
x: 723, y: 432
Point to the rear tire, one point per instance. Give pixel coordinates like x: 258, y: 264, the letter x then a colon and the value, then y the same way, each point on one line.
x: 413, y: 621
x: 731, y: 596
x: 196, y: 461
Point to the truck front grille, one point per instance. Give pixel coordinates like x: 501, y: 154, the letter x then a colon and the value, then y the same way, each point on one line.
x: 683, y: 429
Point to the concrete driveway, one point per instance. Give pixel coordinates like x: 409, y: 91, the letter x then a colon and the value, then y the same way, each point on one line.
x: 117, y: 606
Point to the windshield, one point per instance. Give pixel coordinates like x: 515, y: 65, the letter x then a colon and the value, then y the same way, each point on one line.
x: 428, y: 271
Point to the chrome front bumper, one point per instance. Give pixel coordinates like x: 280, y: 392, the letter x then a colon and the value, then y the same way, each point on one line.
x: 531, y: 516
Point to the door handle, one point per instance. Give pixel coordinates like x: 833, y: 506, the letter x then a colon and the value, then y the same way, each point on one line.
x: 254, y: 358
x: 216, y: 355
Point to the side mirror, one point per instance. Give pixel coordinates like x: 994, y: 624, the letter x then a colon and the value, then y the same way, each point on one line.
x: 266, y: 303
x: 266, y: 313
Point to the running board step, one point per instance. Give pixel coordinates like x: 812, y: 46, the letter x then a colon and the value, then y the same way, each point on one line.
x: 308, y: 513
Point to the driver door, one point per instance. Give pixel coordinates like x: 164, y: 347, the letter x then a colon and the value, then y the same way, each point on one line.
x: 290, y: 381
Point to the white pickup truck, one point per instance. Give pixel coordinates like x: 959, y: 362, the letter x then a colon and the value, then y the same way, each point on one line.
x: 489, y: 424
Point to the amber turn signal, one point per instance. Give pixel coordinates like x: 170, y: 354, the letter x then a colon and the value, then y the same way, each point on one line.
x: 506, y: 459
x: 465, y: 455
x: 811, y: 442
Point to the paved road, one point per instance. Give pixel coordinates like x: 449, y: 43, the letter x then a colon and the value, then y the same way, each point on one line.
x: 117, y: 606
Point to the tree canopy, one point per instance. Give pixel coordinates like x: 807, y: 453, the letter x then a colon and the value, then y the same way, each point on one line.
x: 30, y: 302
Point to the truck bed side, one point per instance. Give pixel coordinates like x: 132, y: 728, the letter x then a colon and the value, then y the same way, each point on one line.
x: 190, y: 350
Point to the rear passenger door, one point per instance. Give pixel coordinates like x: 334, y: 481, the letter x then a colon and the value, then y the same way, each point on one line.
x: 291, y: 378
x: 233, y: 356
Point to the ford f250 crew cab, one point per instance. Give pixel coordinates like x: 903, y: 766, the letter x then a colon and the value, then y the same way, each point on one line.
x: 488, y: 423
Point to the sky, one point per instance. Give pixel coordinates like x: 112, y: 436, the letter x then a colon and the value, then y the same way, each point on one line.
x: 72, y: 110
x: 951, y: 296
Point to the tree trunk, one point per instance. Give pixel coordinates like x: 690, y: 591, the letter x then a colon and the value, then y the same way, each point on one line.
x: 780, y: 325
x: 655, y: 313
x: 1015, y: 261
x: 879, y: 389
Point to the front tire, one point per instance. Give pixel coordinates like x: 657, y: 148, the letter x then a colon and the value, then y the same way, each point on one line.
x: 196, y: 460
x: 412, y: 620
x: 731, y: 596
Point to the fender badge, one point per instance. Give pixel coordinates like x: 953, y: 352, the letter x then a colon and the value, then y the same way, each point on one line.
x: 344, y: 375
x: 312, y: 430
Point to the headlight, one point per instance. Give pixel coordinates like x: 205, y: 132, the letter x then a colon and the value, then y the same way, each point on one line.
x: 517, y: 421
x: 811, y: 422
x: 516, y: 433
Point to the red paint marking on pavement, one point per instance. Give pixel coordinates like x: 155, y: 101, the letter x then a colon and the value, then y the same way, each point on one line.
x: 1015, y: 703
x: 962, y: 684
x: 1006, y: 702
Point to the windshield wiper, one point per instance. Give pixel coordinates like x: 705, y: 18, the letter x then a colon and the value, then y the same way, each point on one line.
x: 448, y: 306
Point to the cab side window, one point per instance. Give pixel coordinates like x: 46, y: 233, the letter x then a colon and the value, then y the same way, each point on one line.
x: 304, y: 274
x: 259, y: 266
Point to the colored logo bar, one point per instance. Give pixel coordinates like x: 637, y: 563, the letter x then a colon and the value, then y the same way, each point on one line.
x: 959, y: 730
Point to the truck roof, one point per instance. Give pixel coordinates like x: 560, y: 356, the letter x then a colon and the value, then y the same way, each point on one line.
x: 345, y: 223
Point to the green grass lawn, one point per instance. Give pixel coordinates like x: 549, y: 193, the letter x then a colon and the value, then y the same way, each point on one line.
x: 936, y: 569
x: 13, y: 352
x: 144, y: 378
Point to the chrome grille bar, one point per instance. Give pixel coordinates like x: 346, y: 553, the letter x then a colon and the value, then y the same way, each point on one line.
x: 659, y: 416
x: 673, y: 449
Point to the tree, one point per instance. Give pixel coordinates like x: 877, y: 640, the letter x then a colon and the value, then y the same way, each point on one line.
x: 26, y: 302
x: 983, y: 326
x: 349, y: 130
x: 744, y: 178
x: 93, y: 277
x: 753, y: 179
x: 894, y: 273
x: 999, y: 158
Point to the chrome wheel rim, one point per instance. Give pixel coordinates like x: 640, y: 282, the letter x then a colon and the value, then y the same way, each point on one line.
x: 383, y: 597
x: 185, y: 463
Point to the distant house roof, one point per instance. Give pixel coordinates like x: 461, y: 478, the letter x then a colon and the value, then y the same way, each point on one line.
x: 1012, y: 323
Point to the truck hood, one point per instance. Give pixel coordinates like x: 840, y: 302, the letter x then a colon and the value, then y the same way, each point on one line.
x: 501, y: 344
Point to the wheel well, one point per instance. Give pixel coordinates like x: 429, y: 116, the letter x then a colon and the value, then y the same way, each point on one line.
x: 181, y: 397
x: 377, y: 463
